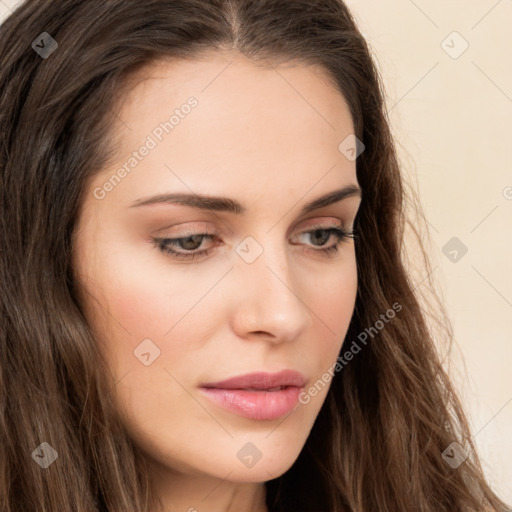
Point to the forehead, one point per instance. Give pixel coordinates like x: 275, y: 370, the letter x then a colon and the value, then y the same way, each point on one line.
x: 233, y: 91
x: 281, y: 124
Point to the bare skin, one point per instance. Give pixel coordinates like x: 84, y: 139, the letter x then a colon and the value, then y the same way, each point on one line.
x: 267, y: 138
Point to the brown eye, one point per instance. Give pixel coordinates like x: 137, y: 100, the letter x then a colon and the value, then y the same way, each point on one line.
x: 320, y: 236
x: 184, y: 244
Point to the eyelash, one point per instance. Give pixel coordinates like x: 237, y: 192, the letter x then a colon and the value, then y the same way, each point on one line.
x: 163, y: 244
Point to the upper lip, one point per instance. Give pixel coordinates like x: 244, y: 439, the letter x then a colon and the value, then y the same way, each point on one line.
x: 260, y: 380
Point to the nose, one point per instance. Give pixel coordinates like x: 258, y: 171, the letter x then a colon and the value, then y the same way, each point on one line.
x: 268, y: 300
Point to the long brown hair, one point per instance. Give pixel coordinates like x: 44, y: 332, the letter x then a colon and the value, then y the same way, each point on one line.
x: 377, y: 443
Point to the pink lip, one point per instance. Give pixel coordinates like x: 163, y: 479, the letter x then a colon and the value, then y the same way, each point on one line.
x: 257, y: 402
x: 260, y: 380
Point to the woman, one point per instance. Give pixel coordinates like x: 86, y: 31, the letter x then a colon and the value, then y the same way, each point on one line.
x: 205, y: 305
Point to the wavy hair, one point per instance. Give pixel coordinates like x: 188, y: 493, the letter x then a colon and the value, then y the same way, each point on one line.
x: 377, y: 442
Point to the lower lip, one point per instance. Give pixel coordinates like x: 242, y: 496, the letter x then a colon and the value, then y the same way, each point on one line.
x: 257, y: 405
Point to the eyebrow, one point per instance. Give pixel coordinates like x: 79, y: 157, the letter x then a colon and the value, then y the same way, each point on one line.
x: 225, y: 204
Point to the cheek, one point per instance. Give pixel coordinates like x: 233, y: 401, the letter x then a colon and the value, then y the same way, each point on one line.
x: 143, y: 293
x: 151, y: 319
x: 156, y: 309
x: 331, y: 298
x: 331, y: 302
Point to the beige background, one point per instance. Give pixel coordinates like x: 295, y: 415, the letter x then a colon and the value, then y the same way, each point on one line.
x: 451, y: 112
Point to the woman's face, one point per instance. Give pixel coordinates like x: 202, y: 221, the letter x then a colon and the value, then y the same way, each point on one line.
x: 260, y: 293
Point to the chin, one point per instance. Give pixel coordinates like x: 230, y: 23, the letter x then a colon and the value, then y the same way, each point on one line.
x: 254, y: 465
x: 260, y: 474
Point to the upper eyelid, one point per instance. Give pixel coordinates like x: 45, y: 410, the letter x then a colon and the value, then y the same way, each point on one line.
x: 196, y: 230
x: 212, y: 236
x: 192, y: 232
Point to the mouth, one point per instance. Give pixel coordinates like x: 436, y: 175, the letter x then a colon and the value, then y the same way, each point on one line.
x: 258, y: 396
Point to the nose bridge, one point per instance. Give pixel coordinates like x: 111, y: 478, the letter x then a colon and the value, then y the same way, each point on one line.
x: 268, y: 296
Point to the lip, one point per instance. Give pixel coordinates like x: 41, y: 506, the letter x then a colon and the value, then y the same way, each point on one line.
x: 260, y: 380
x: 254, y: 396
